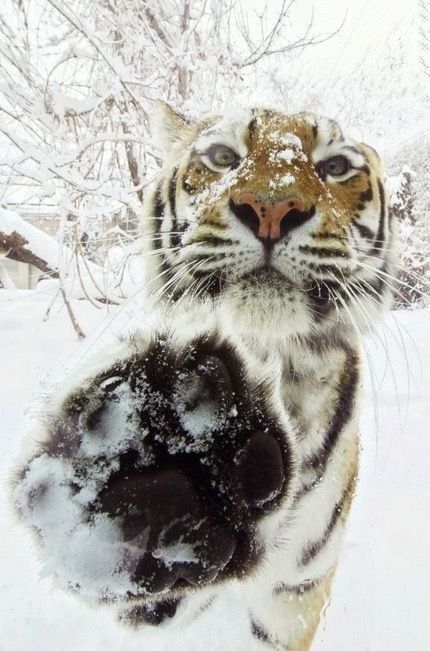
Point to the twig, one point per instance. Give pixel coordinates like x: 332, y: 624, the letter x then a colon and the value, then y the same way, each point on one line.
x: 72, y: 317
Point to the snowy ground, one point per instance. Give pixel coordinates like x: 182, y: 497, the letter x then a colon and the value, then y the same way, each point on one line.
x: 380, y: 600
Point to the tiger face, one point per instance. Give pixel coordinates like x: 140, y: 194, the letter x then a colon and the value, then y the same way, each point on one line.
x: 279, y: 219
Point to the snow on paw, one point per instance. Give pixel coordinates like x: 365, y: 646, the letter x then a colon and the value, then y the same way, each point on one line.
x: 156, y: 474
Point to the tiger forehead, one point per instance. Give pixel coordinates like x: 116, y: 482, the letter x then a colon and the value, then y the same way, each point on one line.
x: 268, y: 130
x: 272, y: 130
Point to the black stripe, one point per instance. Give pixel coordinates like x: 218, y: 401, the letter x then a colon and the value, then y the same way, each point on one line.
x: 186, y: 186
x: 377, y: 284
x: 307, y: 488
x: 323, y: 296
x: 175, y: 239
x: 313, y: 548
x: 299, y: 589
x: 158, y: 214
x: 346, y: 394
x: 252, y: 126
x: 215, y: 131
x: 214, y: 241
x: 203, y: 273
x: 378, y: 242
x: 258, y: 631
x: 152, y: 613
x: 367, y: 195
x: 364, y: 231
x: 212, y: 287
x: 323, y: 252
x: 352, y: 149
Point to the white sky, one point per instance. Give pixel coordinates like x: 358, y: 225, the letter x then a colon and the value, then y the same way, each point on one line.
x: 370, y: 26
x: 368, y: 75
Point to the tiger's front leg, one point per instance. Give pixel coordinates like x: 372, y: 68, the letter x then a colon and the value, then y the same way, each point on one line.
x: 155, y: 475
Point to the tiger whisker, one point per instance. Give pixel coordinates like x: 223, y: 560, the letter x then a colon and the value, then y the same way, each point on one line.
x: 403, y: 267
x: 183, y: 270
x: 391, y: 281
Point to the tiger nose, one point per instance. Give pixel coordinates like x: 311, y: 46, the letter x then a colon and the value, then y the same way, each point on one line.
x: 266, y: 217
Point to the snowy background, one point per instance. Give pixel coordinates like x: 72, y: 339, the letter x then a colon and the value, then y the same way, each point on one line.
x: 77, y: 85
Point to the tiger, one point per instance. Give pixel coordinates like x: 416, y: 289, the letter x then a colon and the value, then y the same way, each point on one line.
x: 211, y: 467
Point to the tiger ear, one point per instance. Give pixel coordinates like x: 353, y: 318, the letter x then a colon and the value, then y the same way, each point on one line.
x: 166, y: 126
x: 368, y: 148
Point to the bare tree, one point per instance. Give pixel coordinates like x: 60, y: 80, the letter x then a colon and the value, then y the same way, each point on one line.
x: 77, y: 84
x: 410, y: 204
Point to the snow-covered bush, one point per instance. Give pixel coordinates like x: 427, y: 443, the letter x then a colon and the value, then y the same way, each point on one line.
x: 410, y: 203
x: 78, y: 83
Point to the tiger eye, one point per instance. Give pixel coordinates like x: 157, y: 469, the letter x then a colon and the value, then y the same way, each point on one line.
x: 337, y: 165
x: 221, y: 155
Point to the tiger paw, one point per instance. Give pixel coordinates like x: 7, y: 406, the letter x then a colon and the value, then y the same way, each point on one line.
x: 156, y: 474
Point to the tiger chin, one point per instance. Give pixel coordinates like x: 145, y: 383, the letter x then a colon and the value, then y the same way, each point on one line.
x: 273, y: 228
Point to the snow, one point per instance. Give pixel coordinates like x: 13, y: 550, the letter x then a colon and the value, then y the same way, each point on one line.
x: 179, y: 552
x: 199, y: 421
x: 198, y: 417
x: 5, y: 280
x: 117, y: 427
x: 72, y: 550
x: 281, y: 181
x: 381, y: 587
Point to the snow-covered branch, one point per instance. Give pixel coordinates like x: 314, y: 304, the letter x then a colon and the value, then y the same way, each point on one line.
x: 23, y: 242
